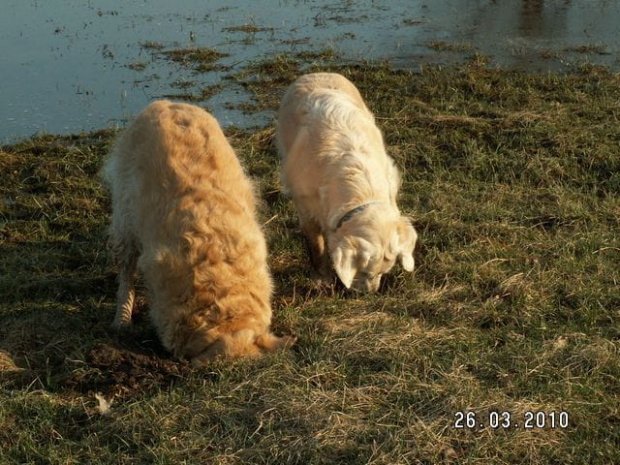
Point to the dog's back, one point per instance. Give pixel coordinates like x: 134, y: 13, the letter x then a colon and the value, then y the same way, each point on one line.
x: 320, y: 100
x: 170, y: 153
x: 322, y: 120
x: 182, y: 203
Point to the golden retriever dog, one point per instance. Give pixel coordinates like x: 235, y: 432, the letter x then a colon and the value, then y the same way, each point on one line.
x: 342, y: 181
x: 184, y: 215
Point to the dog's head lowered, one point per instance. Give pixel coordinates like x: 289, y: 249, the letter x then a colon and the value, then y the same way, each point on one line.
x: 366, y: 247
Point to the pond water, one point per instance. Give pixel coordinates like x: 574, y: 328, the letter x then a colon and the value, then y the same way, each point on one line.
x: 72, y: 66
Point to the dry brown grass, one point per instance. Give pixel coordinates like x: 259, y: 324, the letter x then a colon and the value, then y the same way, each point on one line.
x: 512, y: 181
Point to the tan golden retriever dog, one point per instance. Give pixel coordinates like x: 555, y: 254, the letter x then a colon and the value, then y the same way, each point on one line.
x: 343, y: 183
x: 184, y: 214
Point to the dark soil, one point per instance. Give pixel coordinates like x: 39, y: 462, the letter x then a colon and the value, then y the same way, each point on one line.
x: 119, y: 371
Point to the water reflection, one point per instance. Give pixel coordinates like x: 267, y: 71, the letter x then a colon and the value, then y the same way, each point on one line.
x: 540, y: 18
x: 70, y: 66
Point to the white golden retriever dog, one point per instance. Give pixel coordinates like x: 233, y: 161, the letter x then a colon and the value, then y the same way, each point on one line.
x: 184, y: 214
x: 342, y: 182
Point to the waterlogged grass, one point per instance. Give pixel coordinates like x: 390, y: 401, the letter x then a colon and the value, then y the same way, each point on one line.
x: 512, y: 181
x: 201, y: 60
x: 442, y: 46
x: 597, y: 49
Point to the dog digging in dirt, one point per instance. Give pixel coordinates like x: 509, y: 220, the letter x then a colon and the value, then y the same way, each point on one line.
x: 184, y: 215
x: 342, y: 181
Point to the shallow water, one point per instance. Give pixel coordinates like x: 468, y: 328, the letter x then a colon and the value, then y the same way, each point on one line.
x: 74, y: 66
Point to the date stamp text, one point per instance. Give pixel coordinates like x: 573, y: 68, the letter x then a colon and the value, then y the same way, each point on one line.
x: 506, y: 420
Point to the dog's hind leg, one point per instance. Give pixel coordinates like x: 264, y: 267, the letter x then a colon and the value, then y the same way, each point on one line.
x: 126, y: 257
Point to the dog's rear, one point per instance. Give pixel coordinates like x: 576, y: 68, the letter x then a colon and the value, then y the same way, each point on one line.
x: 183, y: 213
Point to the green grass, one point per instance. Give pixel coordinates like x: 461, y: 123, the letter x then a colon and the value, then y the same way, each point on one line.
x: 512, y: 181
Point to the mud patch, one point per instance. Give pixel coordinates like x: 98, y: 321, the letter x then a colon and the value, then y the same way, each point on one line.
x: 120, y: 372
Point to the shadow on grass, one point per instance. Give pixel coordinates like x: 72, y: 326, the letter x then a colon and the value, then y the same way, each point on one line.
x: 55, y: 314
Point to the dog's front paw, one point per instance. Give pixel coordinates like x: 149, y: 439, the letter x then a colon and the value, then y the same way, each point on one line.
x: 120, y: 324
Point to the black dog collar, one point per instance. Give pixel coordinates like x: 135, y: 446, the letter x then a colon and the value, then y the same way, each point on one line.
x: 348, y: 215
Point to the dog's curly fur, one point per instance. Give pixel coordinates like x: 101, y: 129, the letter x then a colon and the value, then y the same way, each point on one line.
x: 184, y: 213
x: 342, y: 181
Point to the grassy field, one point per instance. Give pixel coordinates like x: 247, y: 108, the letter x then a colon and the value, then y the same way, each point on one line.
x: 512, y: 181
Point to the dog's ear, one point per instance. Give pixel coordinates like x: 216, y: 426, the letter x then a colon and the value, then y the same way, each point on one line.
x: 365, y: 251
x: 343, y: 258
x: 407, y: 238
x: 349, y: 257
